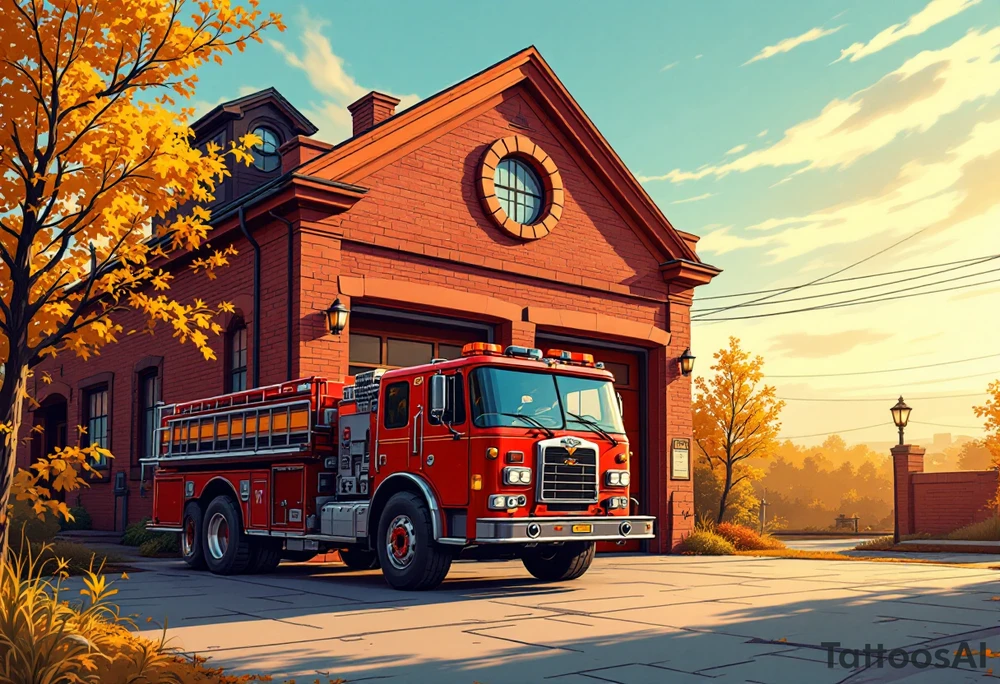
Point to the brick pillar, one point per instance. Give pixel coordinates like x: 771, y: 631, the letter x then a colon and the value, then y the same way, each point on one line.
x: 906, y: 460
x: 679, y: 500
x: 520, y: 333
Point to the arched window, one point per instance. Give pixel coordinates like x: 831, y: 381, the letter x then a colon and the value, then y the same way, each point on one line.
x: 265, y: 155
x: 236, y: 356
x: 519, y: 190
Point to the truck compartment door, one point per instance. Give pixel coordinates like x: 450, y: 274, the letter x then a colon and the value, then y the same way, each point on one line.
x: 168, y: 500
x: 288, y: 499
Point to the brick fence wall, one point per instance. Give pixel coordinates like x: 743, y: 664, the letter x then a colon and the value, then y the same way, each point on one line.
x: 939, y: 503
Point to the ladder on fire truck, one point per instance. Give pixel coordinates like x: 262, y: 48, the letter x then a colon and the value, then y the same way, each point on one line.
x: 273, y: 420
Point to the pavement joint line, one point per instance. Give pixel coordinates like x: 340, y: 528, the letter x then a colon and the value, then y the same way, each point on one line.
x: 477, y: 632
x: 722, y: 667
x: 915, y: 602
x: 927, y: 622
x: 284, y: 622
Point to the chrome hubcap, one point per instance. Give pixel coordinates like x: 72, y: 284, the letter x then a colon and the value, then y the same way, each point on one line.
x: 187, y: 538
x: 400, y: 542
x: 217, y: 537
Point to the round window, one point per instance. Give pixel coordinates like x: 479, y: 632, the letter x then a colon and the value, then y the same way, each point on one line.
x: 519, y: 190
x: 265, y: 154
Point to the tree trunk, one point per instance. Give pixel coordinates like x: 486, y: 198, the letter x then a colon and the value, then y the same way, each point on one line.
x: 725, y: 492
x: 12, y: 394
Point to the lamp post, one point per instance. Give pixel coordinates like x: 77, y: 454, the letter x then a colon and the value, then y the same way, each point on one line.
x: 687, y: 362
x: 900, y: 416
x: 336, y: 317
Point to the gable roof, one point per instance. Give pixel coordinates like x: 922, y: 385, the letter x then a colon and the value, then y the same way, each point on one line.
x: 359, y: 156
x: 233, y: 109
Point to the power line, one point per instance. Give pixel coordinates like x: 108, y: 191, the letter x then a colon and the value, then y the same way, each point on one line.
x: 885, y: 370
x: 857, y: 302
x: 831, y: 275
x: 837, y: 432
x: 852, y: 278
x: 708, y: 312
x: 883, y: 400
x: 957, y: 427
x: 931, y: 382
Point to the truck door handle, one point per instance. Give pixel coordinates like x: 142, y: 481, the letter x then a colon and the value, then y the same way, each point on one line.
x: 417, y: 446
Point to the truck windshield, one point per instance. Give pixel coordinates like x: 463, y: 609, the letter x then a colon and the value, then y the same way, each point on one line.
x: 503, y: 398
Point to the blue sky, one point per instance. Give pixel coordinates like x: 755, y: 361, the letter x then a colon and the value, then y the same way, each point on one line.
x: 794, y: 137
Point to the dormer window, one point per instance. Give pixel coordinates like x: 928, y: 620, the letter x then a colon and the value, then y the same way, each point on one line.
x: 265, y: 155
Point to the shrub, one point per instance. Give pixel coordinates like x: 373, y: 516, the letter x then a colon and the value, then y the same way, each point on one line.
x: 704, y: 543
x: 136, y: 534
x: 81, y: 520
x: 160, y: 545
x: 26, y: 525
x: 986, y: 530
x: 885, y: 543
x: 746, y: 539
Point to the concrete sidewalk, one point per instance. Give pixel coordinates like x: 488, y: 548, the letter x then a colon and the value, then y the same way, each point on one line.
x: 630, y: 620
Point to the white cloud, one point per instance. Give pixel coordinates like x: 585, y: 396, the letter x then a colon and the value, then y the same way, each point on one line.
x: 762, y: 133
x: 789, y: 44
x: 911, y: 99
x: 699, y: 56
x: 670, y: 66
x: 694, y: 199
x: 952, y: 199
x: 934, y: 13
x: 735, y: 150
x: 327, y: 74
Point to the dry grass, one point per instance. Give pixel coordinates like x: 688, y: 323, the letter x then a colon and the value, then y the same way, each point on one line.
x: 48, y: 634
x: 987, y: 530
x: 705, y: 543
x: 885, y: 543
x: 744, y: 538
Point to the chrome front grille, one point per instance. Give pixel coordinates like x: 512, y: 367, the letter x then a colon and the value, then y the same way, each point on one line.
x: 567, y: 478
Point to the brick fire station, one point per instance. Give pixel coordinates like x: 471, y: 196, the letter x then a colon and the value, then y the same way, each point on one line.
x: 493, y: 211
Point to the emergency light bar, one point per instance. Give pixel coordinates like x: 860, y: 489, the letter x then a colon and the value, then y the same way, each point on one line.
x: 478, y: 348
x: 523, y: 352
x: 570, y: 357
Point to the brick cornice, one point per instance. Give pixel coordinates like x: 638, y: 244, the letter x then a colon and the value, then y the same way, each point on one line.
x: 598, y: 324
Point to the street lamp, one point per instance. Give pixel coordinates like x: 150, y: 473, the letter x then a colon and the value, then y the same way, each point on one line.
x: 336, y: 316
x: 901, y: 416
x: 687, y: 362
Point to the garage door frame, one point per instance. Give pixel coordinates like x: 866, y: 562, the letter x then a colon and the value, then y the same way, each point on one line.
x: 405, y: 316
x: 643, y: 354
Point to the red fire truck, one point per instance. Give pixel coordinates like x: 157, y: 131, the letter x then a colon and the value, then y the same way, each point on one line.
x: 502, y: 453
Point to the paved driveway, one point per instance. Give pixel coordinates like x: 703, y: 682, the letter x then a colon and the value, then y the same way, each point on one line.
x: 630, y: 620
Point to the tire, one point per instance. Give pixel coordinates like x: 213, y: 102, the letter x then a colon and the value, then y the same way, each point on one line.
x: 410, y: 559
x: 265, y: 554
x: 227, y: 548
x: 359, y: 558
x: 299, y: 556
x: 551, y: 563
x: 192, y: 546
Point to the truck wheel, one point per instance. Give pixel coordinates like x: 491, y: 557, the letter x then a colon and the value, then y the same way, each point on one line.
x: 227, y: 548
x: 359, y: 558
x: 265, y: 554
x: 551, y: 563
x: 192, y: 548
x: 410, y: 559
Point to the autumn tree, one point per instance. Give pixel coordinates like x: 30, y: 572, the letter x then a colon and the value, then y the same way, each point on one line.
x: 974, y: 455
x: 990, y: 411
x: 101, y: 182
x: 735, y: 417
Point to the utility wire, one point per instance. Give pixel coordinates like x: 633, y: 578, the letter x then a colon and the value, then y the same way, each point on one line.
x: 885, y: 370
x: 835, y: 273
x: 859, y: 301
x: 884, y: 400
x: 837, y: 432
x: 708, y: 312
x: 851, y: 279
x: 957, y: 427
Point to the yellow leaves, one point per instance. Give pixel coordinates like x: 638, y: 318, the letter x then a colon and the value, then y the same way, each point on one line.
x: 46, y: 377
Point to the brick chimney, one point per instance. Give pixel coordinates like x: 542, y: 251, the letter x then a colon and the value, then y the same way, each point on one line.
x: 371, y: 110
x: 299, y: 149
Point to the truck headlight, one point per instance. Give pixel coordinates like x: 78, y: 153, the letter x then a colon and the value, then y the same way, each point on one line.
x: 617, y: 478
x: 517, y: 476
x: 498, y: 502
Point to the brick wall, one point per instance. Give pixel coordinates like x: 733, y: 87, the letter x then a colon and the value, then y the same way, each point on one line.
x: 943, y: 502
x: 939, y: 503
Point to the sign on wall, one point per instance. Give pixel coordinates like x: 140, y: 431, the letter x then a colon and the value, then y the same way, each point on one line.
x: 680, y: 459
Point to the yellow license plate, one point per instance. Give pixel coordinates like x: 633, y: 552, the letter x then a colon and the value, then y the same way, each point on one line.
x: 582, y: 529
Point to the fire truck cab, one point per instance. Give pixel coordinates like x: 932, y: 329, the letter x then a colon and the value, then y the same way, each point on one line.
x: 502, y: 453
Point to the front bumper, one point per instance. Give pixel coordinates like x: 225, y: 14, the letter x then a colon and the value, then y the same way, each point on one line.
x: 534, y: 530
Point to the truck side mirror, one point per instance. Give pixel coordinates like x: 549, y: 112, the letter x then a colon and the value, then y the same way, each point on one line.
x: 621, y: 406
x: 437, y: 397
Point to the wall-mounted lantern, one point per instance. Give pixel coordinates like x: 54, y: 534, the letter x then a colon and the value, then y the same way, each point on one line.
x: 687, y: 362
x: 336, y: 316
